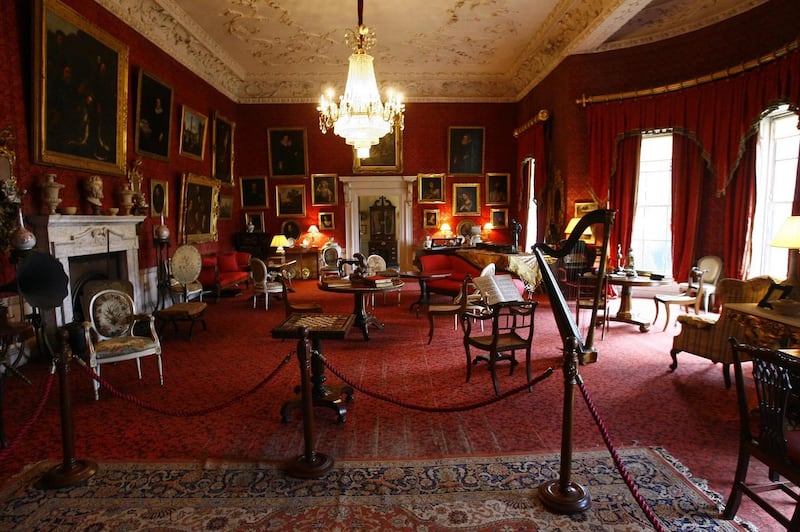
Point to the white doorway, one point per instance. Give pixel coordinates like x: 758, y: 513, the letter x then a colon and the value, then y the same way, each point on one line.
x: 401, y: 187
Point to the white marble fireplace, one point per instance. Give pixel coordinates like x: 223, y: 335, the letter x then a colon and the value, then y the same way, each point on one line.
x: 107, y: 244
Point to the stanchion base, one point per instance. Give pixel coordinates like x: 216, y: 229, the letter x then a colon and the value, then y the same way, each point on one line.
x: 304, y: 467
x: 572, y: 500
x: 61, y: 477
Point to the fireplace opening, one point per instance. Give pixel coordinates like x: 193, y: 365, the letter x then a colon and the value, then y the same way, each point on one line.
x: 97, y: 267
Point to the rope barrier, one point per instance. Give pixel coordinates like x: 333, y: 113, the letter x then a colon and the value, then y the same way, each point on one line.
x: 47, y: 387
x: 648, y: 512
x: 182, y: 413
x: 423, y: 408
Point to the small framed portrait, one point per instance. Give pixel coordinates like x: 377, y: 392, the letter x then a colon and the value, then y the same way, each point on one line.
x: 430, y: 218
x: 499, y: 218
x: 225, y: 207
x: 431, y: 188
x: 159, y: 198
x: 497, y: 188
x: 256, y: 219
x: 465, y: 150
x: 582, y: 208
x: 193, y: 133
x: 290, y: 200
x: 324, y: 189
x: 254, y: 192
x: 290, y: 229
x: 200, y: 208
x: 326, y: 221
x: 222, y: 149
x: 287, y: 152
x: 153, y: 117
x: 466, y: 199
x: 386, y: 157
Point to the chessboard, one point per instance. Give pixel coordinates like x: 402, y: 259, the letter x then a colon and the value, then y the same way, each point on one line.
x: 319, y: 326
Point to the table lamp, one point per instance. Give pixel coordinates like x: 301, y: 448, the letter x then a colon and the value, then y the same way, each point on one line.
x: 445, y: 229
x: 788, y: 236
x: 313, y: 230
x: 278, y: 241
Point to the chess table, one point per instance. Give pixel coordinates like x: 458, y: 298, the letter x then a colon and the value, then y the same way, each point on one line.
x: 363, y: 319
x: 320, y: 327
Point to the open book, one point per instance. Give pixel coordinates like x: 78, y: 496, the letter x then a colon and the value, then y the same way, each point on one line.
x: 497, y: 288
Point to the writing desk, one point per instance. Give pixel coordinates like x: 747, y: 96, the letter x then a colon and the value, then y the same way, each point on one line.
x: 320, y: 327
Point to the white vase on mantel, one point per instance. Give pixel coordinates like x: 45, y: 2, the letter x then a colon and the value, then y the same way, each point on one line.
x: 50, y: 191
x: 126, y: 199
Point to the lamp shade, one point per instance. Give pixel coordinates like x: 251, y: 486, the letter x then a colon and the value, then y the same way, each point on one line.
x: 278, y: 241
x: 313, y: 230
x: 789, y: 234
x: 445, y: 228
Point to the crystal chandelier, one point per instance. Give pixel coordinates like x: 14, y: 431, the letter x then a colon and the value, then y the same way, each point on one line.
x: 360, y: 117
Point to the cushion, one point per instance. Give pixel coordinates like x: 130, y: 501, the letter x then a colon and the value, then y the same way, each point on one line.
x: 227, y: 262
x: 111, y: 313
x: 210, y: 261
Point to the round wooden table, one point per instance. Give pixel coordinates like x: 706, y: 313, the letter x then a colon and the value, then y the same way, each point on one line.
x: 363, y: 319
x: 625, y: 313
x: 422, y: 278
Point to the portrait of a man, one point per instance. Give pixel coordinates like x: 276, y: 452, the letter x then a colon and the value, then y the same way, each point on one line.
x: 465, y: 153
x: 287, y: 152
x: 155, y: 111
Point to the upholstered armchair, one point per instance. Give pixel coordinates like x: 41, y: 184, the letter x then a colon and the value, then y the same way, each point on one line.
x: 707, y: 336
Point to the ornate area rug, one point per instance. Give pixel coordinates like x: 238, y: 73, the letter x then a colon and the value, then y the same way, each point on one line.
x: 471, y: 493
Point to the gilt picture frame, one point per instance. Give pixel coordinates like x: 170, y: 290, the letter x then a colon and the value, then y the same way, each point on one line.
x: 225, y: 207
x: 153, y: 117
x: 290, y: 200
x: 499, y: 218
x: 465, y: 149
x: 430, y: 188
x: 159, y: 198
x: 199, y: 209
x: 256, y: 219
x: 497, y: 188
x: 253, y: 191
x: 466, y: 199
x: 71, y: 58
x: 288, y: 152
x: 222, y: 137
x: 386, y: 157
x: 326, y: 221
x: 194, y: 128
x: 430, y: 218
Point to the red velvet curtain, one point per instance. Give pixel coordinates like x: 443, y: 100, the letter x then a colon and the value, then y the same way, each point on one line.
x: 622, y: 196
x: 719, y: 114
x: 688, y: 173
x: 740, y: 204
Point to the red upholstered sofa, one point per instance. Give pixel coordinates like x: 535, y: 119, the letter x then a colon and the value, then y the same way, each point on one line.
x: 441, y: 262
x: 224, y: 270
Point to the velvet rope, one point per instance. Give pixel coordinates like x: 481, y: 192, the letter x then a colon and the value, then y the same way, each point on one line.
x: 183, y: 413
x: 436, y: 409
x: 651, y: 516
x: 48, y: 386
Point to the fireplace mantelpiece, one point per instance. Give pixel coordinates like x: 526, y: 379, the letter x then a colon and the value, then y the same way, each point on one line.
x: 67, y: 236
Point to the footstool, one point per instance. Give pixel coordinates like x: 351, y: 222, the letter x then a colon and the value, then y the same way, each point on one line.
x: 191, y: 311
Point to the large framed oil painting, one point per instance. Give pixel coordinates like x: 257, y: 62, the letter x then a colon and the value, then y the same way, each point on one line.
x: 193, y: 134
x: 465, y: 151
x: 222, y: 149
x: 466, y: 199
x: 287, y: 152
x: 81, y: 92
x: 386, y: 157
x: 199, y: 209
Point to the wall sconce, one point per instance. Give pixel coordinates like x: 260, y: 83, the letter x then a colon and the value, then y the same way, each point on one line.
x: 278, y: 241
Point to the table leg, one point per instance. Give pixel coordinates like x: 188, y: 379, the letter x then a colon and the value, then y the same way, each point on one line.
x: 322, y: 395
x: 625, y: 313
x: 423, y: 296
x: 363, y: 319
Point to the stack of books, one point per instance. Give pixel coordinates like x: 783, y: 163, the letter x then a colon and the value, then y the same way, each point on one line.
x: 377, y: 281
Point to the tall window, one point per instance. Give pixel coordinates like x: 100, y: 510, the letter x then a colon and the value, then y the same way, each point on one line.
x: 651, y: 239
x: 531, y: 231
x: 776, y: 173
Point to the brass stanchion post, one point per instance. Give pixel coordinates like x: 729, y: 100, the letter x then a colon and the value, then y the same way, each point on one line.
x: 71, y: 470
x: 310, y: 464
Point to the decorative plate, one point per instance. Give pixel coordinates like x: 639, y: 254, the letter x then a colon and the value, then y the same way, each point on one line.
x: 306, y: 273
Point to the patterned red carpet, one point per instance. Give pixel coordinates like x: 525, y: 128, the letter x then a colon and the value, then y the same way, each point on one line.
x: 690, y: 412
x: 468, y: 493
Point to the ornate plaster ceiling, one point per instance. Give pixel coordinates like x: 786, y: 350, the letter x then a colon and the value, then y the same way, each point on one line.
x: 258, y: 51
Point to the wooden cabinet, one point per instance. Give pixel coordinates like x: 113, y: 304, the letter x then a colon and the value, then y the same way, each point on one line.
x: 257, y: 244
x: 383, y: 230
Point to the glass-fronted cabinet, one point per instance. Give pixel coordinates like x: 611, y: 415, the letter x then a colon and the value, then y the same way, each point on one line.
x: 383, y: 230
